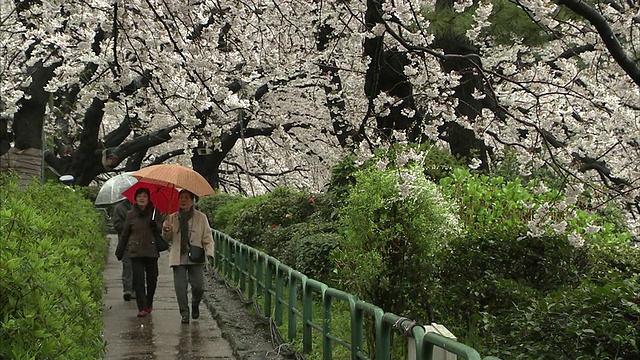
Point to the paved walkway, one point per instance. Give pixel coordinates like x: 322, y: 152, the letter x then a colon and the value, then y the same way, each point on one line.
x: 159, y: 336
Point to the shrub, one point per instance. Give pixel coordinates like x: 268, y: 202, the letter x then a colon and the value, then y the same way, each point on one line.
x: 313, y: 255
x: 493, y: 272
x: 592, y: 321
x: 222, y: 209
x: 292, y: 246
x: 490, y: 204
x: 280, y: 208
x: 393, y: 222
x: 52, y: 256
x: 309, y: 246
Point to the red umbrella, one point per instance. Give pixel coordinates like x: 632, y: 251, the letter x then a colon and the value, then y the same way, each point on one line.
x: 164, y: 198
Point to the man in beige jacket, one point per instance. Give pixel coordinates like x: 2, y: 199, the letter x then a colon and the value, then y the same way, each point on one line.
x: 185, y: 229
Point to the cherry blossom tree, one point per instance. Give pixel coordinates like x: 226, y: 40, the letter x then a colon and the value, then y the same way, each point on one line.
x: 256, y: 94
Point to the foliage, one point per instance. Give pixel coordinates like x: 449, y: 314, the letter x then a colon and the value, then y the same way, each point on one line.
x: 438, y: 163
x: 597, y: 320
x: 435, y: 162
x: 90, y: 192
x: 305, y: 246
x: 52, y: 256
x: 503, y: 263
x: 393, y: 222
x: 342, y: 179
x: 493, y: 204
x: 495, y: 271
x: 508, y: 21
x: 280, y: 208
x: 286, y: 224
x: 222, y: 209
x: 614, y: 258
x: 509, y: 166
x: 314, y: 253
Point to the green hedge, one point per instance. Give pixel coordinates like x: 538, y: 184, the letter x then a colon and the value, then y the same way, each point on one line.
x: 52, y: 257
x: 596, y: 320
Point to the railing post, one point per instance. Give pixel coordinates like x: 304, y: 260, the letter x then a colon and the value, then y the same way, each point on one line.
x: 307, y: 316
x: 236, y: 260
x: 227, y: 255
x: 438, y: 352
x: 279, y: 293
x: 216, y: 250
x: 242, y: 267
x: 327, y: 346
x: 260, y: 275
x: 383, y: 336
x: 293, y: 303
x: 251, y: 271
x: 356, y: 327
x: 418, y: 349
x: 267, y: 287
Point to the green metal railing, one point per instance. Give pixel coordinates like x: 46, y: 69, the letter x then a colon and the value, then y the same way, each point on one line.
x: 263, y: 278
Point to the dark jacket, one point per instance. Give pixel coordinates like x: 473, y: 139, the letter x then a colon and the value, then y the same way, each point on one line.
x: 119, y: 214
x: 137, y: 235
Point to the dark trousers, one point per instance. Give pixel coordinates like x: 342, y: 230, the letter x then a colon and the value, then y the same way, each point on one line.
x: 184, y: 275
x: 144, y: 268
x: 127, y: 275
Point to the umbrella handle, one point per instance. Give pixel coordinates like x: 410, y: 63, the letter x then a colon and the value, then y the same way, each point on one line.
x: 153, y: 216
x: 171, y: 200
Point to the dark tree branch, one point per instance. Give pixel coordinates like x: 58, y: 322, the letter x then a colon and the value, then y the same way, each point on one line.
x: 602, y: 169
x: 606, y: 34
x: 118, y: 135
x: 166, y: 156
x: 144, y: 142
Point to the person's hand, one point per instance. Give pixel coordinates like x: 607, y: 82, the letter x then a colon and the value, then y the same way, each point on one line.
x: 119, y: 254
x: 166, y: 226
x: 209, y: 263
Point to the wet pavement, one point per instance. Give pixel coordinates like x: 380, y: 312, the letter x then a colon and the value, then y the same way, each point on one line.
x: 160, y: 335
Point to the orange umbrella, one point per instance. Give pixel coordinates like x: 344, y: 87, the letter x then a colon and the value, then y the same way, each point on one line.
x: 175, y: 176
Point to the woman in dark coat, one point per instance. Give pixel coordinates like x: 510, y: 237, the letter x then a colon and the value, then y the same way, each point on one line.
x: 139, y: 243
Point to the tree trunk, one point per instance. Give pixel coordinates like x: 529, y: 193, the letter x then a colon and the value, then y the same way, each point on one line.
x: 29, y: 119
x: 463, y: 142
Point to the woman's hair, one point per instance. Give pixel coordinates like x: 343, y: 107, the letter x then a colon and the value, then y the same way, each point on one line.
x: 142, y: 190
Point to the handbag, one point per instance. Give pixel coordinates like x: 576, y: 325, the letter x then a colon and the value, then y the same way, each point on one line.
x: 161, y: 243
x: 196, y: 254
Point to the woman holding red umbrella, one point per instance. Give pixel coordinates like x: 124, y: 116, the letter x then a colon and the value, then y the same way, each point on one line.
x: 139, y: 243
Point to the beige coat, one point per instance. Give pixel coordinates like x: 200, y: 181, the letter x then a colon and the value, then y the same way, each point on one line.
x: 200, y: 235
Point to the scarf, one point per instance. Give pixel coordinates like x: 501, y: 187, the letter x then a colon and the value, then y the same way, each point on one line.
x: 183, y: 217
x: 144, y: 212
x: 147, y: 211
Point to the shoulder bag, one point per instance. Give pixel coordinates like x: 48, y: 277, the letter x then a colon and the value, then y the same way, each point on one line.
x: 196, y: 254
x: 161, y: 243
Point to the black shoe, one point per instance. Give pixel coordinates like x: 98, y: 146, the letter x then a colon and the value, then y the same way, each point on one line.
x: 185, y: 319
x: 126, y: 296
x: 195, y: 312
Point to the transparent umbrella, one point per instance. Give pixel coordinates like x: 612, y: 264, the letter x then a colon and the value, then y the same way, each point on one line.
x: 111, y: 191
